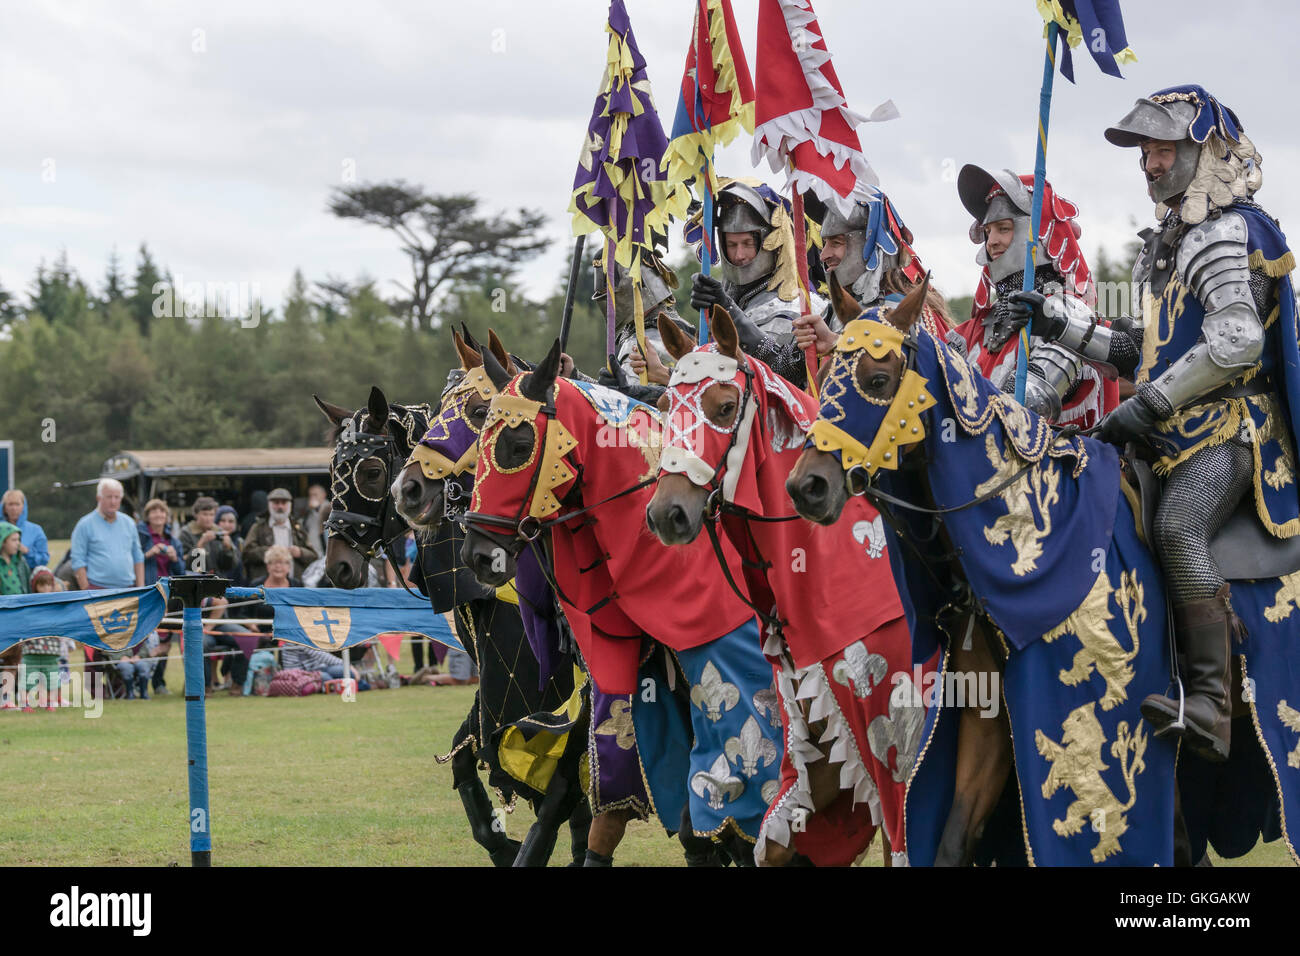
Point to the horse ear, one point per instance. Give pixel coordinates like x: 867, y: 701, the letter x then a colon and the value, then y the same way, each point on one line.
x: 537, y: 384
x: 909, y: 310
x: 333, y: 412
x: 499, y: 350
x: 724, y: 333
x: 845, y: 306
x: 469, y: 337
x: 469, y: 358
x: 499, y: 376
x: 377, y: 408
x: 677, y: 342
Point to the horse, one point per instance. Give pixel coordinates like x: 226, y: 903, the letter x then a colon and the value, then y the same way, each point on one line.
x: 1014, y: 545
x: 838, y: 639
x: 369, y: 444
x: 672, y: 653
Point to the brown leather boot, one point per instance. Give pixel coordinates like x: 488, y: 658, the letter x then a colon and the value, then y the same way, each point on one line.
x: 1204, y: 629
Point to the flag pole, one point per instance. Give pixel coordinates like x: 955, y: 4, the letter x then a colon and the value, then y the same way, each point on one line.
x: 610, y: 320
x: 706, y: 243
x: 805, y: 283
x: 1040, y: 175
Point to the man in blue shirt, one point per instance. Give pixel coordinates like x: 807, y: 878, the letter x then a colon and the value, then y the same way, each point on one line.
x: 105, y: 546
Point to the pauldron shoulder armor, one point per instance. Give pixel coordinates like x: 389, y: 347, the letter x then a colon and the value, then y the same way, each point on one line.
x: 1213, y: 262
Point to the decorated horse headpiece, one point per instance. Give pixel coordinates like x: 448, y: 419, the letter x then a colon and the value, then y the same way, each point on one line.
x: 370, y: 441
x: 847, y: 402
x: 528, y: 488
x: 449, y: 449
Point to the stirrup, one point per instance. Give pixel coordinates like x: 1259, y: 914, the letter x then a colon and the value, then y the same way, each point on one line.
x: 1181, y: 723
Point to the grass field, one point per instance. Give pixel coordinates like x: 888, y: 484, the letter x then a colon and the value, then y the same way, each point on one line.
x: 298, y: 782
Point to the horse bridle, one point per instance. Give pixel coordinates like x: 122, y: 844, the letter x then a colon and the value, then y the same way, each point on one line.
x: 353, y: 526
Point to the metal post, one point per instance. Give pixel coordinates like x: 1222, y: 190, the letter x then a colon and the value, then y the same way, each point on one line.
x: 190, y: 590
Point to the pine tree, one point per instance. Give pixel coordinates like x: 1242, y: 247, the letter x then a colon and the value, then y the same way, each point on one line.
x: 145, y: 289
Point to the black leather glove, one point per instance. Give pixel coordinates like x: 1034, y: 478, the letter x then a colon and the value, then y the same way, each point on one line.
x: 613, y: 376
x: 1028, y: 307
x: 1132, y: 419
x: 706, y: 292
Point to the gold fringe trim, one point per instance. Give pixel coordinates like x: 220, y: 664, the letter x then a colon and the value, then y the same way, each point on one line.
x: 1275, y: 268
x: 1272, y: 767
x: 1225, y: 432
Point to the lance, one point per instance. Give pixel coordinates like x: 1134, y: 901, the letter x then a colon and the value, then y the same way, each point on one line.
x: 706, y: 236
x: 566, y: 320
x: 1040, y: 175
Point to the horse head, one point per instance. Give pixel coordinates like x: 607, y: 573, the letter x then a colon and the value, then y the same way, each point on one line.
x: 436, y: 479
x: 368, y: 443
x: 710, y: 412
x: 509, y: 491
x: 870, y: 403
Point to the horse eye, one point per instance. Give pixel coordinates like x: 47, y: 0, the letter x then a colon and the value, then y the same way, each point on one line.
x: 480, y: 412
x: 726, y: 409
x: 879, y: 380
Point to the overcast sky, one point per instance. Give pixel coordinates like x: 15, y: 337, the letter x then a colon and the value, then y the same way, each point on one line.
x: 215, y: 130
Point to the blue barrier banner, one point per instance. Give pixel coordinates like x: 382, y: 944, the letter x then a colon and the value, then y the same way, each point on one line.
x: 110, y: 620
x: 332, y: 618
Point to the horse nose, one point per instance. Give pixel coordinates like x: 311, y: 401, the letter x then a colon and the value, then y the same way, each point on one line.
x: 810, y: 492
x: 678, y: 522
x: 341, y: 574
x: 410, y: 492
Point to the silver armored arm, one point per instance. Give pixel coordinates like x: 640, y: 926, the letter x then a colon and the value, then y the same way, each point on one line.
x: 1213, y: 261
x: 1053, y: 372
x: 1083, y: 333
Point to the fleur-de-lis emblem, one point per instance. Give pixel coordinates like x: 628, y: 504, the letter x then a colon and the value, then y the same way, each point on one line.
x: 901, y: 730
x: 619, y: 725
x: 718, y: 785
x: 750, y: 749
x: 767, y: 703
x: 594, y: 143
x: 860, y: 669
x: 714, y: 695
x: 769, y: 791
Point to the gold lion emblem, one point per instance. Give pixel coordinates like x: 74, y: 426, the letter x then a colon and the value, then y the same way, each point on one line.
x: 1101, y: 650
x: 1076, y: 764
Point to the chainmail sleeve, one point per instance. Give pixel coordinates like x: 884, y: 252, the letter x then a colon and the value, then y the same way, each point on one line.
x: 786, y: 360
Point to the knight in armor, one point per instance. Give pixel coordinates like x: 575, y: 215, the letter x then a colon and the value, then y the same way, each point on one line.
x: 759, y: 287
x: 870, y: 253
x: 1061, y: 386
x: 657, y: 284
x: 1212, y: 350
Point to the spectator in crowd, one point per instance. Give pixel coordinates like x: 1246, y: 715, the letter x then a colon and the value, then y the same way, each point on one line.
x: 162, y: 558
x: 279, y: 565
x: 232, y: 542
x: 277, y: 528
x: 41, y: 654
x: 162, y: 549
x: 134, y: 665
x: 202, y: 540
x: 35, y: 549
x: 318, y: 509
x: 218, y: 636
x: 14, y: 571
x: 256, y: 508
x: 106, y: 549
x: 312, y: 659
